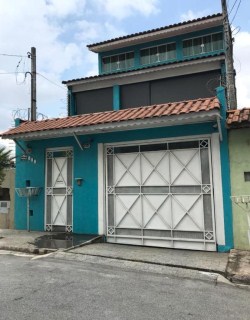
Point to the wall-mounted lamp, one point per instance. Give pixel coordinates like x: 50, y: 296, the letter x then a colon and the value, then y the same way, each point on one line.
x: 79, y: 181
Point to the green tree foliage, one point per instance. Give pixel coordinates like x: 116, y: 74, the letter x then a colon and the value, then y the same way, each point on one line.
x: 6, y: 161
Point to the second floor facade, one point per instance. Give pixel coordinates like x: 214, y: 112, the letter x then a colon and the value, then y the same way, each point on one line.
x: 179, y: 62
x: 178, y: 48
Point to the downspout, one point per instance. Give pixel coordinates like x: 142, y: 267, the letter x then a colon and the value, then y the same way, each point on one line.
x: 218, y: 119
x: 225, y: 170
x: 71, y: 103
x: 222, y: 99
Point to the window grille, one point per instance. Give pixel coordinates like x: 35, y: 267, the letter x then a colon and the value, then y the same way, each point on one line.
x: 118, y: 62
x: 204, y: 44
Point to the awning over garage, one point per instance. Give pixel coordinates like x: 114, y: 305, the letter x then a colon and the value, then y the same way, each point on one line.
x: 174, y: 113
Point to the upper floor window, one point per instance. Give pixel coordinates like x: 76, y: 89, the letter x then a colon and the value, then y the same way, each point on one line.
x: 158, y: 54
x: 118, y: 62
x: 205, y: 44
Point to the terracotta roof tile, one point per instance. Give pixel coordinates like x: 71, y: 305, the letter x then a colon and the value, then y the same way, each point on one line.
x: 131, y: 114
x: 238, y: 118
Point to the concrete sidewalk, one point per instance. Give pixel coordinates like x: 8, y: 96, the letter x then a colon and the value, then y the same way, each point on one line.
x: 21, y: 240
x: 238, y: 269
x: 196, y: 260
x: 234, y: 265
x: 41, y: 242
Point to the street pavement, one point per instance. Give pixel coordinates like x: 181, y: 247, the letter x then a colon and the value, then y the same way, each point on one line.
x: 47, y: 287
x: 235, y: 266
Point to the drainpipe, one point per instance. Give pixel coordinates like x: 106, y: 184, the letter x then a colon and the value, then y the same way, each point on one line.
x: 221, y: 95
x: 71, y: 103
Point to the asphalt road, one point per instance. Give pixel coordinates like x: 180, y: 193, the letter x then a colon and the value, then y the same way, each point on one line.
x: 52, y: 288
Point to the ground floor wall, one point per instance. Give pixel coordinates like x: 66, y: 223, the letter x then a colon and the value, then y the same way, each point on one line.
x: 86, y: 201
x: 239, y: 150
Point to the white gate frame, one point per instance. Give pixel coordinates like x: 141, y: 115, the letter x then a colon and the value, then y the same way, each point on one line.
x: 45, y: 194
x: 216, y: 177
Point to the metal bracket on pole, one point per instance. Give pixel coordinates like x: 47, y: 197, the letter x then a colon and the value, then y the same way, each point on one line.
x: 20, y: 146
x: 78, y: 141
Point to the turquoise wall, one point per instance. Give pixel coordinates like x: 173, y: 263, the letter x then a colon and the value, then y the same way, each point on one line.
x: 85, y: 219
x: 136, y: 48
x: 177, y: 39
x: 225, y: 172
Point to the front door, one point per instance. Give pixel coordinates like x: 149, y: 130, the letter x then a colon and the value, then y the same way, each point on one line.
x: 59, y: 190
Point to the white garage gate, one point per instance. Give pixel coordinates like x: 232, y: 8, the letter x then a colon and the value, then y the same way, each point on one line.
x: 160, y: 194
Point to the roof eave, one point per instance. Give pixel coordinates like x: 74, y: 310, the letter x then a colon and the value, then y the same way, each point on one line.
x: 154, y: 122
x: 241, y: 125
x: 156, y: 35
x: 152, y: 69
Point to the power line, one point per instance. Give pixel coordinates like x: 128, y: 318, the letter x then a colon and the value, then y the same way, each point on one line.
x: 19, y: 72
x: 12, y: 55
x: 51, y: 81
x: 235, y: 12
x: 238, y: 28
x: 232, y: 7
x: 11, y: 72
x: 17, y: 67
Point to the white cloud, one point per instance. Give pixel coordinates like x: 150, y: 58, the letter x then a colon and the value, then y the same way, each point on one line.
x: 64, y: 8
x: 121, y: 9
x: 60, y: 30
x: 242, y: 64
x: 191, y: 15
x: 41, y: 24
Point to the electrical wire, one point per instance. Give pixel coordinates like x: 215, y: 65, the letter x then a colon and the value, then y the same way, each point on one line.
x: 235, y: 12
x: 51, y: 81
x: 238, y: 28
x: 12, y: 55
x: 212, y: 84
x: 232, y: 7
x: 25, y: 75
x: 2, y: 73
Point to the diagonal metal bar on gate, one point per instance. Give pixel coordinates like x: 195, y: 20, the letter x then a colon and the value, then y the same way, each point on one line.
x: 187, y: 212
x: 128, y: 211
x: 184, y: 167
x: 127, y: 169
x: 60, y: 171
x: 156, y: 212
x: 155, y: 168
x: 59, y: 209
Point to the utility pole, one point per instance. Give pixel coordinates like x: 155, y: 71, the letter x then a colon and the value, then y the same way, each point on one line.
x: 230, y: 73
x: 32, y: 56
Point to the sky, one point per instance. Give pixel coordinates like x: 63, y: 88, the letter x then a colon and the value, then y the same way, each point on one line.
x: 61, y: 29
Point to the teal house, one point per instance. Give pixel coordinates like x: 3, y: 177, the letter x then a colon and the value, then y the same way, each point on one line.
x: 142, y: 157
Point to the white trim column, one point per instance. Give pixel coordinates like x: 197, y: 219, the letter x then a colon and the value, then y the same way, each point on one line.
x: 101, y: 197
x: 218, y: 193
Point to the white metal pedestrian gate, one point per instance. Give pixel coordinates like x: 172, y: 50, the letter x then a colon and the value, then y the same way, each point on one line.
x: 161, y: 194
x: 58, y: 214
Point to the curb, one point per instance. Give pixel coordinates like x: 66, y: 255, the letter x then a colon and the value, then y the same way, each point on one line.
x: 36, y: 251
x: 153, y: 263
x: 98, y: 239
x: 42, y: 251
x: 238, y: 270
